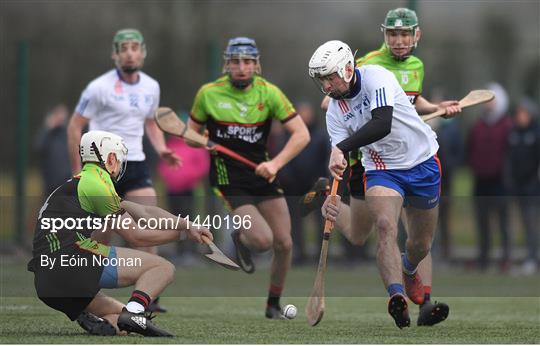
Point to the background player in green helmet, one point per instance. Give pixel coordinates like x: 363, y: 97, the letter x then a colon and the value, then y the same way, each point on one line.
x: 237, y: 109
x: 401, y: 36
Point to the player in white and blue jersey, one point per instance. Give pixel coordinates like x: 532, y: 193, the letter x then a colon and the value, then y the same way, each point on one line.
x: 369, y: 110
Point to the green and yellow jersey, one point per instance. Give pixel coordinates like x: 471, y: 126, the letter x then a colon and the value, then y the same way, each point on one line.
x: 66, y: 261
x: 96, y: 192
x: 409, y: 73
x: 241, y: 121
x: 81, y: 203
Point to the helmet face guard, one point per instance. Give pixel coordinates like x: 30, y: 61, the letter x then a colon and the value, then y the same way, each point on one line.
x: 401, y: 19
x: 123, y: 161
x: 333, y: 94
x: 241, y: 48
x: 333, y: 57
x: 127, y: 35
x: 97, y: 145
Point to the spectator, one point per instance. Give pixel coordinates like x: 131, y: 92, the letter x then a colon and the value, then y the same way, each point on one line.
x: 51, y: 146
x: 523, y: 166
x: 486, y: 149
x: 451, y: 156
x: 180, y: 183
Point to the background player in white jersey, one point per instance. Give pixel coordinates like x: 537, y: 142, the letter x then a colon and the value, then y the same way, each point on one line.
x: 123, y: 101
x: 369, y: 110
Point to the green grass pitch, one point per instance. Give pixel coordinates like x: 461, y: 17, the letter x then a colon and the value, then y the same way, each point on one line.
x: 204, y: 307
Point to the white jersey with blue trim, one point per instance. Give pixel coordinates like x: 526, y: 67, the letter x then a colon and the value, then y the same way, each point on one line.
x: 121, y: 108
x: 410, y: 141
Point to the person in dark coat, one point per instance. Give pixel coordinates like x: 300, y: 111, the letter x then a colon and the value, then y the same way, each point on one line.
x: 486, y: 151
x: 523, y: 167
x: 51, y: 147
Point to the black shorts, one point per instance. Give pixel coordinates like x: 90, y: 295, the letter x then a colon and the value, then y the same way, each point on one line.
x: 357, y: 181
x: 237, y: 196
x: 69, y: 288
x: 137, y: 176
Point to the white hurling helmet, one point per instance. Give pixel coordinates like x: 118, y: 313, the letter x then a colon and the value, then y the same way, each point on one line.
x: 331, y: 57
x: 97, y: 145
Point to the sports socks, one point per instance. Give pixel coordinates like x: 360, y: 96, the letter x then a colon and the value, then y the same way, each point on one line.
x: 395, y: 289
x: 408, y: 267
x: 138, y: 302
x: 427, y: 294
x: 274, y: 293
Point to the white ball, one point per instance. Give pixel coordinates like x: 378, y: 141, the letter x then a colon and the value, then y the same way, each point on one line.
x: 289, y: 311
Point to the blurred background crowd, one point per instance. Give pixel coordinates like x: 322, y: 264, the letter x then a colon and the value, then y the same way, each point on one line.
x: 490, y: 154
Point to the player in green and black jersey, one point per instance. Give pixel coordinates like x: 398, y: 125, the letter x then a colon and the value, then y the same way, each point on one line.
x: 238, y: 109
x: 71, y: 267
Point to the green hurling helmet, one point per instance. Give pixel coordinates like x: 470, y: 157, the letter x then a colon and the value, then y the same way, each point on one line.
x: 401, y: 19
x: 126, y: 35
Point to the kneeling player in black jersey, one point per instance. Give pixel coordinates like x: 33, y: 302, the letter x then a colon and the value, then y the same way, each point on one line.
x: 71, y: 267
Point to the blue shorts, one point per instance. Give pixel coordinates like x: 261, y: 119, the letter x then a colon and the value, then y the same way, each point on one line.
x: 419, y: 186
x: 136, y: 176
x: 109, y: 277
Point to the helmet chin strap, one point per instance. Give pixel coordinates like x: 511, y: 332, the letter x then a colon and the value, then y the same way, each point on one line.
x: 100, y: 158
